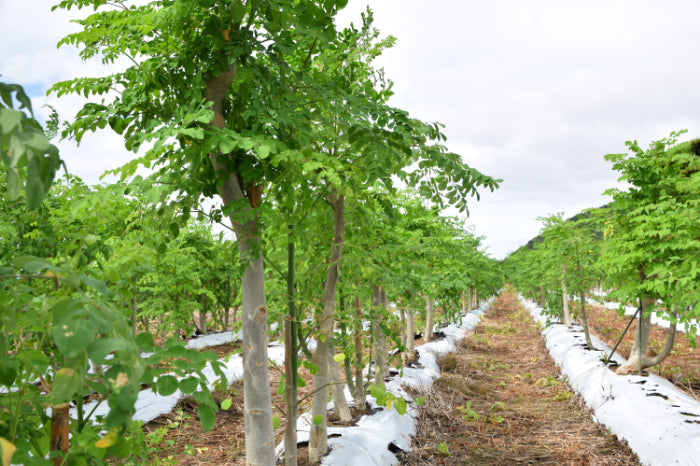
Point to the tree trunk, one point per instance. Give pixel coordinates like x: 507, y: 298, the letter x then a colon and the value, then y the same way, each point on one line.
x: 638, y: 360
x: 359, y: 395
x: 257, y: 402
x: 402, y: 316
x: 134, y: 311
x: 410, y: 336
x: 379, y: 337
x: 337, y: 387
x: 290, y: 393
x: 203, y: 314
x: 290, y: 359
x: 565, y: 298
x: 318, y: 441
x: 429, y: 312
x: 584, y: 318
x: 60, y: 427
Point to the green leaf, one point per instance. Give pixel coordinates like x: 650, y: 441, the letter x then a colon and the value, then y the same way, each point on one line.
x: 100, y: 348
x: 193, y: 133
x: 174, y: 229
x: 227, y: 145
x: 420, y: 401
x: 66, y: 382
x: 31, y: 264
x: 73, y: 337
x: 275, y: 422
x: 162, y: 248
x: 318, y: 419
x: 313, y: 368
x: 206, y: 416
x: 400, y: 405
x: 226, y: 404
x: 9, y: 119
x: 280, y: 387
x: 263, y: 151
x: 189, y: 385
x: 340, y: 357
x: 145, y: 341
x: 8, y: 374
x: 246, y: 143
x: 166, y: 385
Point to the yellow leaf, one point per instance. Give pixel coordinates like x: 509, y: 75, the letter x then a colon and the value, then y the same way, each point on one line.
x: 7, y: 449
x: 108, y: 440
x: 388, y: 404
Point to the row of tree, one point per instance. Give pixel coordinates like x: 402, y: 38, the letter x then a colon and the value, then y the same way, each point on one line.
x: 644, y: 246
x: 269, y: 107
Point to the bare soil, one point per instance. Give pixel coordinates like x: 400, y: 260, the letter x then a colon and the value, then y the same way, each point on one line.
x: 500, y: 400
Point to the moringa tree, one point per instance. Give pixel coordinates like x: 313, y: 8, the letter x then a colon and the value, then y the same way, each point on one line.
x: 653, y: 243
x: 209, y: 86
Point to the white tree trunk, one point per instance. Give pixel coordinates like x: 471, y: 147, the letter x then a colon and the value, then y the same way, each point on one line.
x: 565, y: 297
x: 359, y: 395
x: 378, y: 335
x: 410, y: 334
x: 318, y: 441
x: 338, y: 390
x: 638, y: 359
x: 429, y: 312
x: 257, y: 402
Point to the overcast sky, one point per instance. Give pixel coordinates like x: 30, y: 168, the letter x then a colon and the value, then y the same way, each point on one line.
x: 535, y: 93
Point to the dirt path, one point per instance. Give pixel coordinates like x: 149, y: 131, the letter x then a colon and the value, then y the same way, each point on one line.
x: 500, y: 401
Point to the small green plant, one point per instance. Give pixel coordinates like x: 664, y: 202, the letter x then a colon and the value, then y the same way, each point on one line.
x: 388, y: 399
x: 468, y: 414
x: 507, y: 329
x: 563, y: 395
x: 548, y: 381
x: 498, y: 406
x: 443, y: 449
x: 496, y: 419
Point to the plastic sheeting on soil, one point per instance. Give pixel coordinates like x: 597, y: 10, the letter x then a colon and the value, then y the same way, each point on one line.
x: 660, y: 423
x: 377, y: 436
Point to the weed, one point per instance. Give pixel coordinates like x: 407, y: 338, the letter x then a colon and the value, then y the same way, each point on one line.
x: 548, y: 381
x: 498, y: 406
x: 443, y: 449
x: 482, y: 339
x: 496, y: 419
x: 563, y: 395
x: 507, y: 329
x: 448, y: 363
x: 468, y: 414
